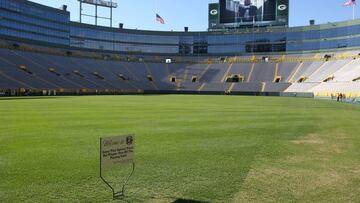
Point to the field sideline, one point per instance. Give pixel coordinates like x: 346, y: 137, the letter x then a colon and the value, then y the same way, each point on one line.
x: 203, y: 148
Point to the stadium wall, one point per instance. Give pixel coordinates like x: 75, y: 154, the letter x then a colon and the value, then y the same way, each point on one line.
x: 26, y: 21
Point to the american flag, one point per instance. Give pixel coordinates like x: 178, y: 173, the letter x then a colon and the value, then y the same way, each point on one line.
x: 160, y: 19
x: 350, y: 3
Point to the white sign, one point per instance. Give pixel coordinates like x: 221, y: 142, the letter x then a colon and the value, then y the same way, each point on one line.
x: 116, y: 150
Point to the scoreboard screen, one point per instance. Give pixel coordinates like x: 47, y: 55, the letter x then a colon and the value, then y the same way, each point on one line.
x: 254, y: 12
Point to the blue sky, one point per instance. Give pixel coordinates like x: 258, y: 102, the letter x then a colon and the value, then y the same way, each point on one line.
x: 140, y: 14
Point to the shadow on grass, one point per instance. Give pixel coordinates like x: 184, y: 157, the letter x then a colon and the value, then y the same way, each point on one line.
x: 30, y: 97
x: 187, y: 201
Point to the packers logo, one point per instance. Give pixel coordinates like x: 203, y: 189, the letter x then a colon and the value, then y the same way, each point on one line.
x: 282, y: 7
x: 214, y: 12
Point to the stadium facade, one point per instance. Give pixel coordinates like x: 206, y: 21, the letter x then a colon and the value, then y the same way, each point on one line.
x: 273, y: 57
x: 25, y: 20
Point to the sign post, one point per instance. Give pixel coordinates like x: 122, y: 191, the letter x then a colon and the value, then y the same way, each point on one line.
x: 117, y: 151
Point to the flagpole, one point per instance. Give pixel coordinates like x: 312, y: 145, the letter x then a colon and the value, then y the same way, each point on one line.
x: 353, y: 11
x: 157, y: 6
x: 156, y: 9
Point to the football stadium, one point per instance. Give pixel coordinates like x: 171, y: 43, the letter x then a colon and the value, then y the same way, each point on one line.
x: 250, y: 110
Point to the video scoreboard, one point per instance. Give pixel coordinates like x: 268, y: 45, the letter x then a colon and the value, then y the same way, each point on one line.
x: 248, y: 13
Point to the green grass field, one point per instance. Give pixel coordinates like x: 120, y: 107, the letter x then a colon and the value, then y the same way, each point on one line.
x: 203, y: 148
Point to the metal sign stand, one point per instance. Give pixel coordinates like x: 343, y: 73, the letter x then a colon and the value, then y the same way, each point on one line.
x: 120, y: 194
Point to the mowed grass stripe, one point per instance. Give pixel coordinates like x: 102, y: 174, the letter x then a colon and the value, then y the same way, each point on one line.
x: 205, y: 148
